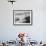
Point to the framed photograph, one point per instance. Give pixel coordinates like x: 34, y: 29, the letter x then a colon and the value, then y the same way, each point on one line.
x: 22, y: 17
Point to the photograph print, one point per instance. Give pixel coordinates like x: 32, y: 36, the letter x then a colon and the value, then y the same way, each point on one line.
x: 22, y: 17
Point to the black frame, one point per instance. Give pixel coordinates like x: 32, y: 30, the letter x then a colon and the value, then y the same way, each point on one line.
x: 23, y: 24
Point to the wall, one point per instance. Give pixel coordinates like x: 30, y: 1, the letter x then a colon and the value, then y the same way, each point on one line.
x: 38, y: 30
